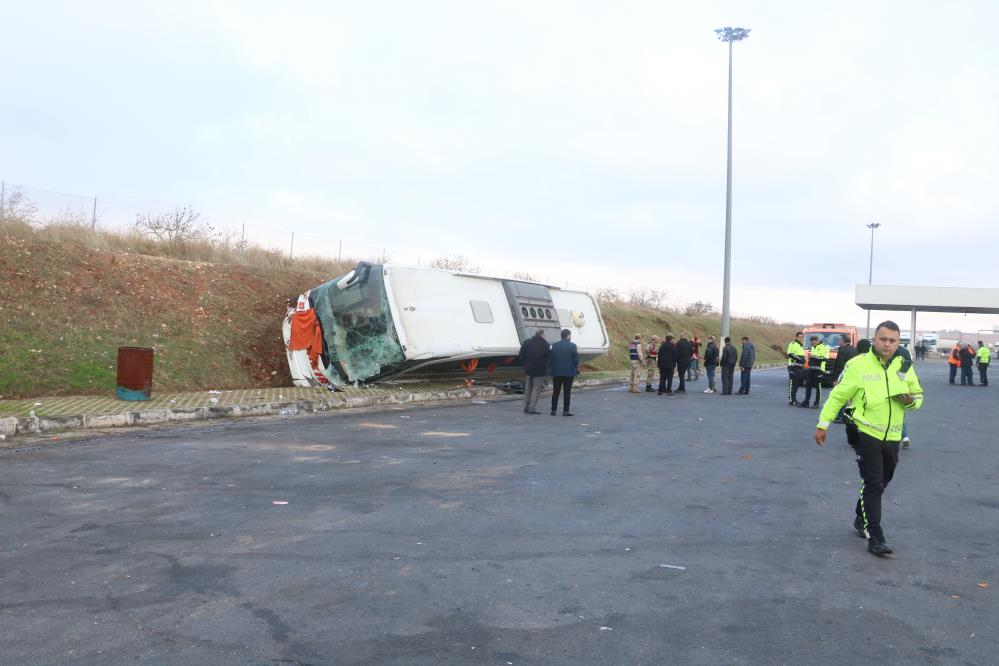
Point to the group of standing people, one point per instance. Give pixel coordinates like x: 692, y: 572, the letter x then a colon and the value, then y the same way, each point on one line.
x: 811, y: 370
x: 560, y: 361
x: 964, y: 358
x: 680, y: 358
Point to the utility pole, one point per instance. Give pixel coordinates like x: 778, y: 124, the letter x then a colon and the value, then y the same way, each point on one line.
x: 729, y: 35
x: 93, y: 216
x: 870, y: 273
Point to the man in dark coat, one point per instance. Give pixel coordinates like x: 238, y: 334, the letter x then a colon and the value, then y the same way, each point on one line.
x: 534, y: 355
x: 967, y: 363
x: 667, y: 364
x: 728, y: 358
x: 710, y: 363
x: 843, y: 354
x: 684, y: 354
x: 565, y: 367
x: 746, y: 362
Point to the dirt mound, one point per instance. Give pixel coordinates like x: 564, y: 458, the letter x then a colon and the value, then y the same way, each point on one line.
x: 66, y: 309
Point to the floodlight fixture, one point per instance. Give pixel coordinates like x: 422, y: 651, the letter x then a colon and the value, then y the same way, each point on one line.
x: 732, y: 34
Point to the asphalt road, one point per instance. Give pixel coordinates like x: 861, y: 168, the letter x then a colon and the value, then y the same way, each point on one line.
x: 645, y: 530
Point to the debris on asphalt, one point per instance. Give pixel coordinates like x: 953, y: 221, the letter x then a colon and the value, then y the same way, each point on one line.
x: 606, y: 629
x: 279, y: 502
x: 215, y: 392
x: 984, y: 586
x: 673, y: 566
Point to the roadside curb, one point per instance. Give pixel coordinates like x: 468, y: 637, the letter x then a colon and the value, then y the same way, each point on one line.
x: 12, y: 426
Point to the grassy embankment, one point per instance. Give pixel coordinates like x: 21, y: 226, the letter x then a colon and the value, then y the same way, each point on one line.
x: 624, y: 321
x: 70, y: 297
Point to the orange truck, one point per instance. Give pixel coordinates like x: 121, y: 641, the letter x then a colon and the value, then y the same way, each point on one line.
x: 830, y: 336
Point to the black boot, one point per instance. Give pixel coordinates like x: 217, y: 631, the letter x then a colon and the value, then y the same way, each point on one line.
x: 648, y: 388
x: 858, y: 524
x: 877, y: 546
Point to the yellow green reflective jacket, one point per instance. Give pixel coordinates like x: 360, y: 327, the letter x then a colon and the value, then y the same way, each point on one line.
x: 869, y: 385
x: 818, y: 357
x: 795, y: 349
x: 984, y: 355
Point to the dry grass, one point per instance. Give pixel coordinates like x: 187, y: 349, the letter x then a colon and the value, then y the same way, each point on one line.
x: 68, y: 231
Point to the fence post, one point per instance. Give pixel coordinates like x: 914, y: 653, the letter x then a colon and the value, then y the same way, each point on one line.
x: 93, y: 217
x: 291, y: 250
x: 339, y: 251
x: 3, y: 209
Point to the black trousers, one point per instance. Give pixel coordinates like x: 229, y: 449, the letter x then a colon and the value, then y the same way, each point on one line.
x: 681, y: 371
x: 794, y: 381
x: 728, y: 373
x: 953, y: 372
x: 744, y: 380
x: 558, y: 384
x: 666, y: 378
x: 876, y: 460
x: 967, y: 376
x: 983, y: 373
x: 813, y: 378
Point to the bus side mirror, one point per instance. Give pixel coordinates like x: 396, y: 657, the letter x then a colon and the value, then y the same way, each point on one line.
x: 346, y: 280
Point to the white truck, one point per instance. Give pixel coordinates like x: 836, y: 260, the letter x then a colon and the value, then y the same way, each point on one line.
x: 384, y: 321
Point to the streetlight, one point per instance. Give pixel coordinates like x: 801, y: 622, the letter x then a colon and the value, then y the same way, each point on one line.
x: 870, y: 272
x: 729, y: 35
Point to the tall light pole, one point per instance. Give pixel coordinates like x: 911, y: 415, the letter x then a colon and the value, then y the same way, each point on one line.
x: 729, y: 35
x: 870, y: 272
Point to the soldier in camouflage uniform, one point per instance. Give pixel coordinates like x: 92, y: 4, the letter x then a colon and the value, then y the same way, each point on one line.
x: 651, y: 354
x: 636, y: 354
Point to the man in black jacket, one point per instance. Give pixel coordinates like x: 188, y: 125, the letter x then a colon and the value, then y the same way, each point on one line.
x: 710, y: 363
x: 684, y: 354
x: 843, y: 354
x: 534, y: 355
x: 728, y: 358
x: 746, y: 362
x: 967, y: 357
x: 667, y: 364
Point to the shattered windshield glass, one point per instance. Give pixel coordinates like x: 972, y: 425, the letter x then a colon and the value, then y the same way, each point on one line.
x: 357, y: 325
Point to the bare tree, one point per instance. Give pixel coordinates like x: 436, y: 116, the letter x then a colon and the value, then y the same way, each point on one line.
x: 608, y: 295
x: 638, y: 297
x: 455, y: 262
x: 16, y: 206
x: 177, y: 226
x: 698, y: 308
x: 526, y: 277
x: 658, y: 298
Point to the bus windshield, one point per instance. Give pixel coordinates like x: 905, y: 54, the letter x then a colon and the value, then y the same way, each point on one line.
x: 358, y: 332
x: 829, y: 339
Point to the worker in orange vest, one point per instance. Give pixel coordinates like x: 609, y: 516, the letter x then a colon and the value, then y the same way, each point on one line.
x: 955, y: 361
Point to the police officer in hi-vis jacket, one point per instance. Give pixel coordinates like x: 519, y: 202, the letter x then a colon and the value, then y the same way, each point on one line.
x: 881, y: 387
x: 795, y: 367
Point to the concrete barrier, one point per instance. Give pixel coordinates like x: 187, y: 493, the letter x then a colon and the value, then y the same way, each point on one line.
x: 12, y: 426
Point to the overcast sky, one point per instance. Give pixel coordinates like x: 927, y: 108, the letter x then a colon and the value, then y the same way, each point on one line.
x: 582, y: 142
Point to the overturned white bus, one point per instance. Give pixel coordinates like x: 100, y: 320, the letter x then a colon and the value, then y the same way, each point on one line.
x: 382, y: 322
